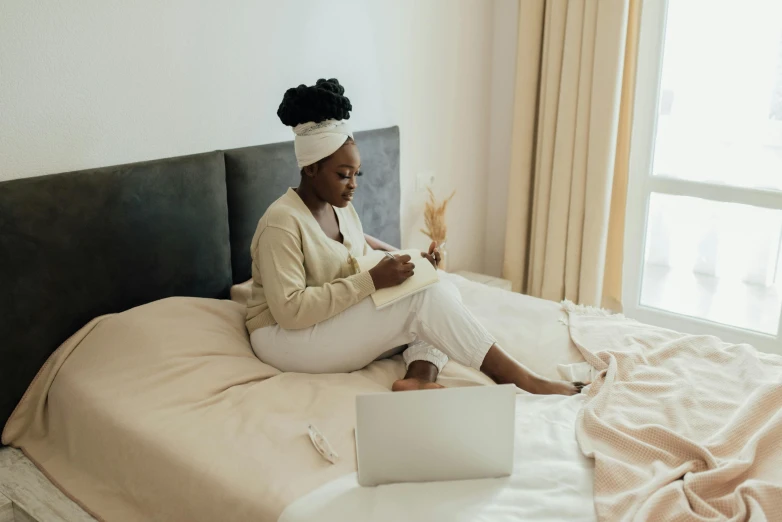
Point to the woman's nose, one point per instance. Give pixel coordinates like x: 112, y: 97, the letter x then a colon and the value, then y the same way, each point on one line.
x: 353, y: 183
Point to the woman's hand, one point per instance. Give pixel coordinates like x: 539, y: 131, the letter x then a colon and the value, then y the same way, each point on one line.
x: 433, y: 256
x: 392, y: 272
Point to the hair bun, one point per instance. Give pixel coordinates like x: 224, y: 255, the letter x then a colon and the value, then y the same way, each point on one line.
x: 323, y: 101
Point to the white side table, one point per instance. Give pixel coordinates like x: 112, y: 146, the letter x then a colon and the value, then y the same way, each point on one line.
x: 487, y: 280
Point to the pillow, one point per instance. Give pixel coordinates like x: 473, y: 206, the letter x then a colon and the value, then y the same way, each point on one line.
x: 241, y: 293
x: 163, y: 412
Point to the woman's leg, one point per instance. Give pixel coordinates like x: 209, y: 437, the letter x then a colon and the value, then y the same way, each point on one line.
x: 440, y: 319
x: 357, y: 336
x: 347, y: 342
x: 424, y: 363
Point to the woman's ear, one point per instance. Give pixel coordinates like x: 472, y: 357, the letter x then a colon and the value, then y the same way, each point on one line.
x: 310, y: 170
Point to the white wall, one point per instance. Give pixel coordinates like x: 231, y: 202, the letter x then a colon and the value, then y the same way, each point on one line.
x: 88, y: 83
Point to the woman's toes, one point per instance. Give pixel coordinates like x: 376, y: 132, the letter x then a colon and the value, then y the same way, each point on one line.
x: 411, y: 384
x: 548, y: 387
x: 431, y: 386
x: 581, y: 385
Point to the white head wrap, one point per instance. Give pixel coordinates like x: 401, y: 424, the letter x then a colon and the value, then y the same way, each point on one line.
x: 315, y: 141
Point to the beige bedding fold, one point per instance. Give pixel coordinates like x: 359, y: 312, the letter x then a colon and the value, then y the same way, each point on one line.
x: 163, y: 413
x: 681, y: 427
x: 152, y: 418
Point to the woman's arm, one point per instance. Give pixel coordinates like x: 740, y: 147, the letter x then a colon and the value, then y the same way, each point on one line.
x: 293, y: 304
x: 376, y: 244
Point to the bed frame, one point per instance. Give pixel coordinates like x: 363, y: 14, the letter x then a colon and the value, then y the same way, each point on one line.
x: 77, y: 245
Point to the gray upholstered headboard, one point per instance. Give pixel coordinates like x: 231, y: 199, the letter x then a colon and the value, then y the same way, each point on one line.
x: 78, y: 245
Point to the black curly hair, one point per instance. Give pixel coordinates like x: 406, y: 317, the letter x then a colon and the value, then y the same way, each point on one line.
x: 323, y: 101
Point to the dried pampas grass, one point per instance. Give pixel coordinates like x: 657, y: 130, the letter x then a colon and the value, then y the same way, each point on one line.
x: 434, y: 217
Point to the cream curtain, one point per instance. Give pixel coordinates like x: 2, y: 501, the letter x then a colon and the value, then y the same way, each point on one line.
x: 572, y: 115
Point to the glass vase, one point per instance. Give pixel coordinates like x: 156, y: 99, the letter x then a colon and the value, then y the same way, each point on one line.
x: 443, y: 249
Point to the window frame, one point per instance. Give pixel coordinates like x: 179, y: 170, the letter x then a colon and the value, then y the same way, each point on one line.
x: 642, y: 183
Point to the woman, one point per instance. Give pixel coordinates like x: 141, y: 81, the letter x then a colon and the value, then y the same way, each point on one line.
x: 310, y: 313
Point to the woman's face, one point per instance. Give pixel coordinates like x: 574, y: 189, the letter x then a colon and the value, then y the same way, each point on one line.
x: 336, y: 178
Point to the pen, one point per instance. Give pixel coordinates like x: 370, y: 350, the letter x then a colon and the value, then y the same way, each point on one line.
x: 389, y: 254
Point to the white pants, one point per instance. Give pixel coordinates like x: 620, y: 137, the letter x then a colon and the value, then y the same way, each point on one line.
x: 433, y: 323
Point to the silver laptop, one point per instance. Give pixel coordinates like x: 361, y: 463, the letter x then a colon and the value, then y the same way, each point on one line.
x: 429, y: 435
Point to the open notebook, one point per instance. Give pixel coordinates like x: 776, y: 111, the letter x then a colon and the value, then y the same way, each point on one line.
x: 425, y: 275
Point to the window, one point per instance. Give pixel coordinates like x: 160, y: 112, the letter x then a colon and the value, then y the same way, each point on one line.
x: 704, y: 222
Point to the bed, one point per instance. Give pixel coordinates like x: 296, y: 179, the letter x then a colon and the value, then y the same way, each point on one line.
x: 127, y: 375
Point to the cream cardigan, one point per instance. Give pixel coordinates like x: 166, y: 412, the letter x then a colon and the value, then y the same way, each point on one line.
x: 301, y: 276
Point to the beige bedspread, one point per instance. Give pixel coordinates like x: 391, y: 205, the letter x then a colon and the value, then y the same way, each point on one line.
x: 163, y: 413
x: 681, y: 427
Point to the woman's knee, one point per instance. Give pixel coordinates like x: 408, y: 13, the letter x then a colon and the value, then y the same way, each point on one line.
x: 444, y: 289
x: 450, y: 288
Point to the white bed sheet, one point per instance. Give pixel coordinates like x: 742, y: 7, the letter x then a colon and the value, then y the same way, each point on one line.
x: 551, y: 481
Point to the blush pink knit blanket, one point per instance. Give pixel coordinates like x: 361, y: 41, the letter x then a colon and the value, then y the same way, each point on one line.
x: 681, y: 427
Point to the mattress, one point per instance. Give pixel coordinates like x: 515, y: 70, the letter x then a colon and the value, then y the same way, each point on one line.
x: 163, y: 413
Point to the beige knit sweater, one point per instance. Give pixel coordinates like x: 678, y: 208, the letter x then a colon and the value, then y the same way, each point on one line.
x: 301, y: 276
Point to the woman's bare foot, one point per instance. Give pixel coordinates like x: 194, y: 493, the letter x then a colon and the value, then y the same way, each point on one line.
x: 414, y: 384
x: 420, y: 376
x: 504, y: 369
x: 549, y: 387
